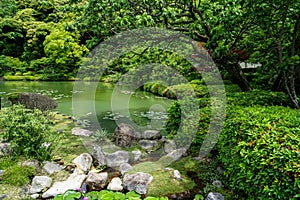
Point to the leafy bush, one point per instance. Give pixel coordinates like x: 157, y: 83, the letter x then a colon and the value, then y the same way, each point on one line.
x: 186, y: 90
x: 29, y: 132
x: 259, y: 148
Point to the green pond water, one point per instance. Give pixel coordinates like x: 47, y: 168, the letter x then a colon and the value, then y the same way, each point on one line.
x: 111, y: 104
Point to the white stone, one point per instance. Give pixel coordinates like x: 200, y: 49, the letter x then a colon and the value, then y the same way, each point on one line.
x: 115, y: 184
x: 39, y: 183
x: 177, y: 175
x: 81, y: 132
x: 73, y: 182
x: 52, y: 167
x: 83, y: 162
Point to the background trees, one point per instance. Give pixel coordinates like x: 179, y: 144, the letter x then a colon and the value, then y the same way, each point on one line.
x: 230, y: 30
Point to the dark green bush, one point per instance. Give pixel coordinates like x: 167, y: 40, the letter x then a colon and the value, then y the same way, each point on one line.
x: 259, y: 148
x: 29, y: 132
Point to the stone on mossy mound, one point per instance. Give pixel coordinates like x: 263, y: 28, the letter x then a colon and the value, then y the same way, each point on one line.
x: 33, y: 101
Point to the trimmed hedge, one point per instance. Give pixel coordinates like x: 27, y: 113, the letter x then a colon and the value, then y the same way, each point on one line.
x: 260, y: 150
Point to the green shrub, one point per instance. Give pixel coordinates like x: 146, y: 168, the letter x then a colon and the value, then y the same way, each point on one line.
x: 258, y: 97
x: 183, y: 90
x: 18, y: 175
x: 29, y: 132
x: 259, y: 148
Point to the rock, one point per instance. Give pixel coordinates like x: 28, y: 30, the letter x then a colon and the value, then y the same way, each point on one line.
x: 177, y: 175
x: 149, y: 145
x: 39, y: 183
x: 32, y: 163
x: 3, y: 196
x: 81, y: 132
x: 24, y: 191
x: 177, y: 153
x: 169, y: 146
x: 124, y: 167
x: 117, y: 158
x: 136, y: 155
x: 4, y: 148
x: 98, y: 156
x: 220, y: 169
x: 96, y: 181
x: 83, y: 163
x: 138, y: 182
x: 34, y: 100
x: 214, y: 196
x: 115, y: 184
x: 151, y: 135
x: 2, y: 172
x: 34, y: 196
x: 51, y: 167
x: 125, y: 136
x: 73, y: 182
x: 217, y: 183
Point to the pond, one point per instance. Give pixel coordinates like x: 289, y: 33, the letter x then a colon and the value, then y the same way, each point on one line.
x: 143, y: 109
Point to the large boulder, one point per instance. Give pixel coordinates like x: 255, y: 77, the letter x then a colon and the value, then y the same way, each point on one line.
x: 96, y: 181
x: 40, y: 183
x: 83, y: 163
x: 72, y: 183
x: 117, y: 158
x: 137, y: 182
x: 98, y: 157
x: 33, y: 101
x: 125, y: 135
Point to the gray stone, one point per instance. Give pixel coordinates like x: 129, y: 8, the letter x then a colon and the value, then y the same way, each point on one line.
x: 137, y: 182
x: 149, y: 145
x: 51, y: 167
x: 32, y: 163
x: 177, y: 153
x: 83, y: 163
x: 4, y: 148
x: 117, y: 158
x: 115, y: 184
x: 96, y: 181
x: 34, y: 196
x: 98, y: 156
x: 124, y: 167
x: 3, y: 196
x: 169, y: 146
x: 125, y: 135
x: 2, y: 172
x: 39, y: 183
x: 81, y: 132
x: 177, y: 175
x: 220, y: 169
x: 217, y: 183
x: 136, y: 155
x: 151, y: 135
x: 72, y: 183
x: 214, y: 196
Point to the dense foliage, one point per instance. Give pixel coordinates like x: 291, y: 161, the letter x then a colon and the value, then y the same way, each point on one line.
x: 29, y: 132
x: 259, y: 148
x: 46, y: 40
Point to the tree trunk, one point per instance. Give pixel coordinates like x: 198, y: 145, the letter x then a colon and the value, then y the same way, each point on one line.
x: 235, y: 70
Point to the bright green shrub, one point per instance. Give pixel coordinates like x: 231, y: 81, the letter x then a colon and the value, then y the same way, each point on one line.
x: 29, y: 132
x: 17, y: 175
x: 183, y: 90
x: 259, y: 148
